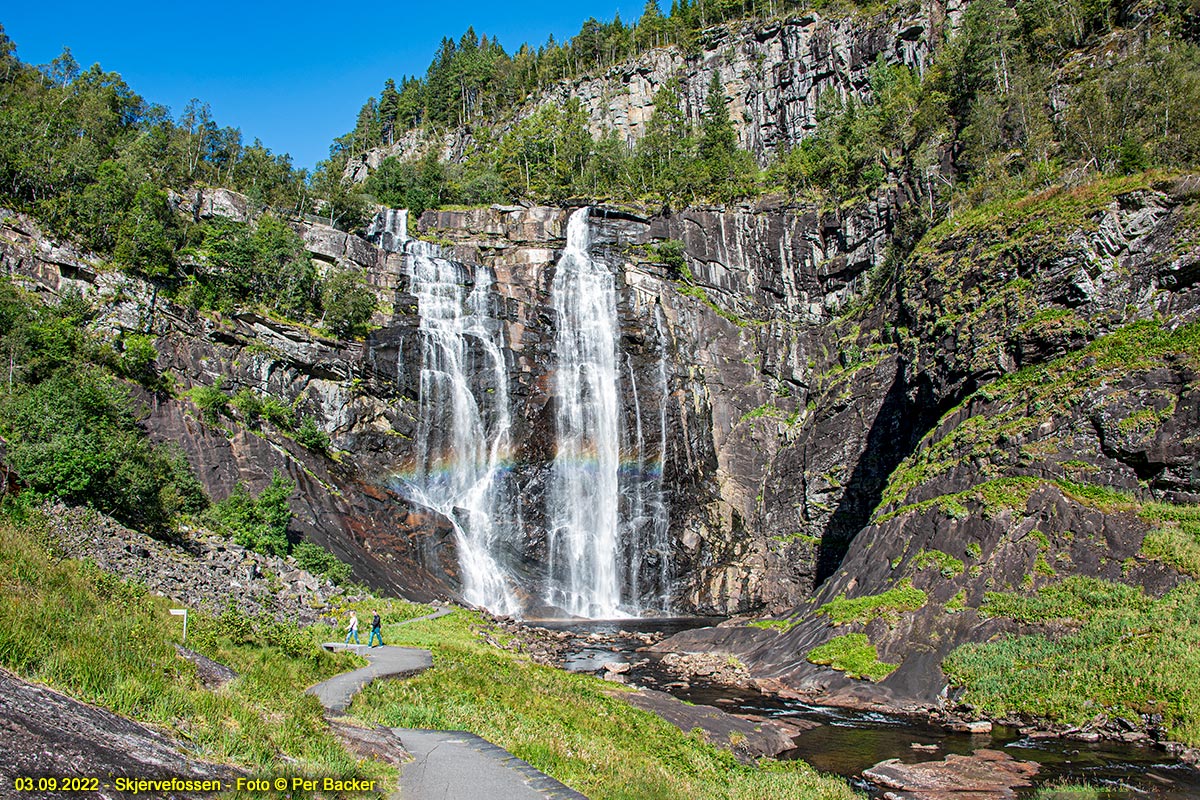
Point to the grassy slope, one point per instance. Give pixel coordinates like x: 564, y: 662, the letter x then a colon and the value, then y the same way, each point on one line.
x: 56, y: 616
x: 84, y: 632
x: 574, y: 727
x: 1128, y: 655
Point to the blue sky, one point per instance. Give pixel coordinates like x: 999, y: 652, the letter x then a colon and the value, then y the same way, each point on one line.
x: 292, y: 74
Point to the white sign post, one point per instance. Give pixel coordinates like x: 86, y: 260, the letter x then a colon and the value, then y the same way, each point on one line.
x: 181, y: 612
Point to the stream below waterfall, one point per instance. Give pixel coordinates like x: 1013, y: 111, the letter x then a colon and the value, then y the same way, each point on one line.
x: 846, y: 742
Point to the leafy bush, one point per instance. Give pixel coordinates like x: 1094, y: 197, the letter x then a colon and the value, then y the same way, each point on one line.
x: 249, y: 405
x: 348, y: 303
x: 312, y: 437
x: 319, y: 561
x: 211, y: 401
x: 76, y: 437
x: 278, y: 413
x: 258, y: 523
x: 138, y: 357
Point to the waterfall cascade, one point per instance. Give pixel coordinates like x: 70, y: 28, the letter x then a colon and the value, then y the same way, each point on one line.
x: 605, y: 514
x: 389, y: 229
x: 464, y: 421
x: 606, y: 518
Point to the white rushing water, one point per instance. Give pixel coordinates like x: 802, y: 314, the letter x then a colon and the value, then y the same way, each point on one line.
x: 464, y: 420
x: 389, y: 229
x: 583, y: 501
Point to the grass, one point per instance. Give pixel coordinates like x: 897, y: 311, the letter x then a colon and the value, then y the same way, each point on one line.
x: 1176, y: 539
x: 573, y: 727
x: 890, y: 604
x: 782, y: 625
x: 948, y: 565
x: 853, y: 654
x: 1069, y: 791
x: 1075, y: 598
x: 68, y: 625
x: 1128, y: 655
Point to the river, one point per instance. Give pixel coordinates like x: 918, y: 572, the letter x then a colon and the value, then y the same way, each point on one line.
x: 847, y: 742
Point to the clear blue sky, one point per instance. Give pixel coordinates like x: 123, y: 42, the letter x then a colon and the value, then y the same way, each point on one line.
x: 292, y: 74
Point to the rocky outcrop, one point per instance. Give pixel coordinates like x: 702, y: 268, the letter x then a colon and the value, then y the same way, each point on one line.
x: 774, y: 73
x: 748, y: 739
x: 983, y: 775
x: 1023, y: 393
x: 45, y: 733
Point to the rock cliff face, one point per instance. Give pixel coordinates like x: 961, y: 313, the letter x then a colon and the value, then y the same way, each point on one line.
x: 815, y: 402
x: 774, y: 74
x: 1038, y: 351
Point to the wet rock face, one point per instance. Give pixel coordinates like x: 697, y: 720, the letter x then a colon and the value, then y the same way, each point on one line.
x: 741, y: 330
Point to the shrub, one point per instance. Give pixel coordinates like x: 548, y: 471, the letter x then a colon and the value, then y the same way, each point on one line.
x: 76, y: 437
x: 258, y: 523
x: 249, y: 405
x: 138, y: 357
x: 348, y: 303
x: 312, y: 437
x: 211, y: 401
x: 319, y: 561
x: 278, y: 413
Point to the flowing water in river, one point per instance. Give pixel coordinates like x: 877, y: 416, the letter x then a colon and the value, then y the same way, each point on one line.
x: 847, y: 742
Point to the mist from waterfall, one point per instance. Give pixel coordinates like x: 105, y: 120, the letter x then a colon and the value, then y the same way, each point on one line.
x: 463, y: 434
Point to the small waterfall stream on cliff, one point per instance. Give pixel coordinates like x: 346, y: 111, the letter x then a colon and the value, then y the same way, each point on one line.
x: 605, y: 511
x: 463, y: 432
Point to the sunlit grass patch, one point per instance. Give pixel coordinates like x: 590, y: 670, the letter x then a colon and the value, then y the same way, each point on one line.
x: 73, y: 627
x: 1130, y: 655
x: 853, y: 654
x: 573, y: 727
x: 890, y: 604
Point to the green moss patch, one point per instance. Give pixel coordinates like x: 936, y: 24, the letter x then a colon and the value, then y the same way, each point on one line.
x: 782, y: 625
x: 890, y: 604
x: 948, y: 565
x: 853, y: 654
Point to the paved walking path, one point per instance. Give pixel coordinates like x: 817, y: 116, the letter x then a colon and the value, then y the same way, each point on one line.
x: 386, y: 662
x: 456, y: 765
x: 447, y: 765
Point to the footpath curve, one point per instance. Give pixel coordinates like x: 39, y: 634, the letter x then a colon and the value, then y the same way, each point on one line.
x: 447, y: 765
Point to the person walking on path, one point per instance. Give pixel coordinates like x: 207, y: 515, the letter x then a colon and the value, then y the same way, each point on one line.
x: 352, y: 629
x: 376, y: 630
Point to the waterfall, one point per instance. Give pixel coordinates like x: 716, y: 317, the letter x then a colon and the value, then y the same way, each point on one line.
x: 583, y: 534
x: 389, y: 229
x: 464, y: 421
x: 606, y: 517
